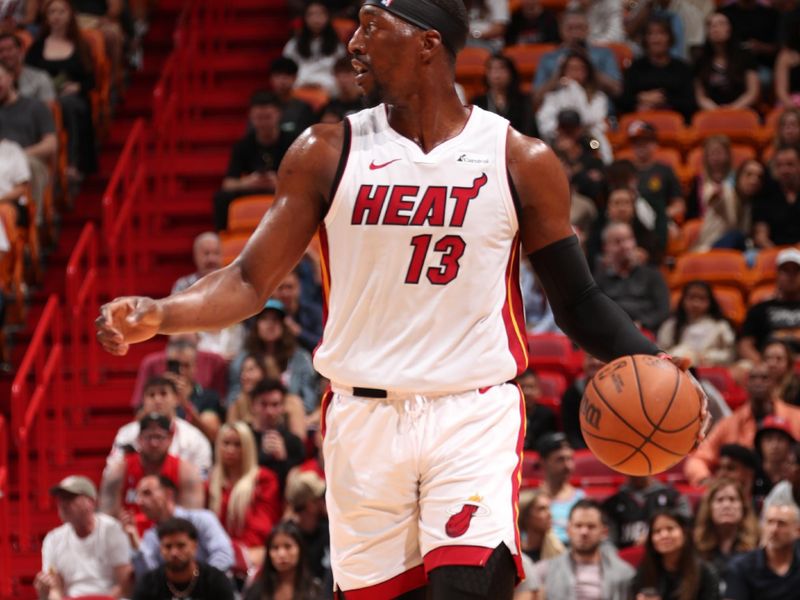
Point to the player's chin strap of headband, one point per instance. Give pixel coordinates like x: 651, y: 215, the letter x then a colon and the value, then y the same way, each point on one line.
x: 426, y: 16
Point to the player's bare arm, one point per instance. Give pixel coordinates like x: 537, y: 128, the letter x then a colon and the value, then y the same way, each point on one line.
x: 110, y: 497
x: 192, y: 494
x: 238, y: 291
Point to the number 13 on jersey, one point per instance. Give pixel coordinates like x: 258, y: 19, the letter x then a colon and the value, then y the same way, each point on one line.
x: 450, y: 248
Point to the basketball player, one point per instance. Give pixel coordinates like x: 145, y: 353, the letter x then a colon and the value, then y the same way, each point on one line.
x: 421, y: 204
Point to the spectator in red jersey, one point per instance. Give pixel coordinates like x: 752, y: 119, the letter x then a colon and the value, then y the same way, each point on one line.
x: 245, y: 497
x: 726, y: 524
x: 188, y: 443
x: 118, y: 486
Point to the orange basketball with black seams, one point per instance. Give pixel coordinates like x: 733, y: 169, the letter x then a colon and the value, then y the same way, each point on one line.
x: 640, y: 414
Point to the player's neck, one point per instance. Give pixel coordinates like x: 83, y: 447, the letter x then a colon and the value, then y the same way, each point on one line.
x: 429, y: 118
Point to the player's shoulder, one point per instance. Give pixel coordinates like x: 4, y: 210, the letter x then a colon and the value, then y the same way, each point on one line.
x: 319, y: 140
x: 527, y: 150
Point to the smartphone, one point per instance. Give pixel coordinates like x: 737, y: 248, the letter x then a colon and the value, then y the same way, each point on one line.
x: 173, y: 366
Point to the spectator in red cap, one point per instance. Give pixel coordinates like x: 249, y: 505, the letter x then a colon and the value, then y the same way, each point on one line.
x: 774, y: 441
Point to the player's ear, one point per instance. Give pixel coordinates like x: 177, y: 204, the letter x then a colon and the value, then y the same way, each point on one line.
x: 431, y: 44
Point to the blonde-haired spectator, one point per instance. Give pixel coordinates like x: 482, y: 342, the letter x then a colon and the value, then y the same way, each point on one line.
x: 245, y: 497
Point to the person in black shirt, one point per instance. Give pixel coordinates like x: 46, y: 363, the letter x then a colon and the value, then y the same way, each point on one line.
x: 278, y: 448
x: 571, y: 402
x: 540, y: 419
x: 777, y: 216
x: 503, y: 94
x: 756, y: 27
x: 253, y: 166
x: 658, y: 80
x: 725, y: 75
x: 296, y: 114
x: 285, y: 564
x: 532, y: 24
x: 181, y: 576
x: 771, y: 572
x: 349, y: 98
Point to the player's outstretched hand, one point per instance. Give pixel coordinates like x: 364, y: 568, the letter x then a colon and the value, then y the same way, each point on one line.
x: 127, y: 320
x: 683, y: 363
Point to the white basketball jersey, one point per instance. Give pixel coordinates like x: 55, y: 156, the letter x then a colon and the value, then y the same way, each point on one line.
x: 421, y: 262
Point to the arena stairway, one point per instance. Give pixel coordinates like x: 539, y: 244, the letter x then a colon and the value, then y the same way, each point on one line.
x: 254, y: 35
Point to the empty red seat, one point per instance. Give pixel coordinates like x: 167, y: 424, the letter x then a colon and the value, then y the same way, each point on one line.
x: 722, y: 379
x: 553, y: 352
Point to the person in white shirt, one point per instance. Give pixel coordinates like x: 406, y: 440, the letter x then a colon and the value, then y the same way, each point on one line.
x: 14, y: 174
x: 188, y: 442
x: 89, y: 554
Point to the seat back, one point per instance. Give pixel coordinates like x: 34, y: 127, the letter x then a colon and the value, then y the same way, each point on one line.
x: 526, y: 58
x: 245, y: 213
x: 314, y: 96
x: 717, y: 267
x: 765, y: 269
x: 739, y: 124
x: 231, y: 245
x: 470, y: 69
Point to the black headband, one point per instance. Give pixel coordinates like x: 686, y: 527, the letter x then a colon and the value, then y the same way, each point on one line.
x: 426, y: 15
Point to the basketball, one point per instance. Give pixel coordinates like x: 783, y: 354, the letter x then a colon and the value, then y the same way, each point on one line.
x: 640, y: 414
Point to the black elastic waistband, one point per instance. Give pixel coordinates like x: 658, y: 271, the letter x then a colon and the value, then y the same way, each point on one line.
x: 370, y: 392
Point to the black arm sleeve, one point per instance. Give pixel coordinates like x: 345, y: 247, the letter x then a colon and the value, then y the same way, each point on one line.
x: 582, y: 310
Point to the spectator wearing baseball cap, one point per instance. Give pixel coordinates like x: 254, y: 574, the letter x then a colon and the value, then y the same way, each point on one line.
x: 89, y: 554
x: 778, y: 317
x: 656, y: 181
x: 558, y: 463
x: 740, y: 464
x: 774, y: 442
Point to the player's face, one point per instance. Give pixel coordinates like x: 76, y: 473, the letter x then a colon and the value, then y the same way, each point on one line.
x: 159, y: 399
x: 780, y: 527
x: 667, y: 535
x: 178, y: 551
x: 777, y: 361
x: 284, y: 553
x: 230, y: 445
x: 726, y: 507
x: 250, y: 375
x: 585, y: 530
x: 384, y: 50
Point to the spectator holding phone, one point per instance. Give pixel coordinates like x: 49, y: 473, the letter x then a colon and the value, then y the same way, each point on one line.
x: 255, y: 158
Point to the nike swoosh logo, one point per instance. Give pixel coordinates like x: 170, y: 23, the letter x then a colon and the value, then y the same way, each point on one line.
x: 374, y: 167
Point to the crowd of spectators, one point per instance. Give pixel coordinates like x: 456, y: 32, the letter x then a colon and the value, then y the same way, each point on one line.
x: 218, y: 481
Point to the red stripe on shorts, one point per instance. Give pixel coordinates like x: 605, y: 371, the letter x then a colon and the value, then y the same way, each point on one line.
x: 448, y: 556
x: 327, y: 396
x: 513, y: 315
x: 516, y: 482
x: 392, y: 588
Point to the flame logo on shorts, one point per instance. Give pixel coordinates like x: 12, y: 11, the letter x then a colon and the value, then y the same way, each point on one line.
x: 461, y: 518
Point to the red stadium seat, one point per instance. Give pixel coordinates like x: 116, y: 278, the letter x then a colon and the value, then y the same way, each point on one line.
x: 717, y: 267
x: 553, y: 383
x: 589, y: 469
x: 721, y: 378
x: 553, y: 352
x: 632, y: 555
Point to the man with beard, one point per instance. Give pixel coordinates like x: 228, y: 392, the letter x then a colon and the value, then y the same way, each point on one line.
x: 588, y: 570
x: 181, y: 576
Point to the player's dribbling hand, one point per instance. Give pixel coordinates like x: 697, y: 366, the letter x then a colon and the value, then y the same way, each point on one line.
x: 683, y: 363
x: 127, y: 320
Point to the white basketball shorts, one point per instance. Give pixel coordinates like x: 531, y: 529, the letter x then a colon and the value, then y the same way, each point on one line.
x: 418, y: 482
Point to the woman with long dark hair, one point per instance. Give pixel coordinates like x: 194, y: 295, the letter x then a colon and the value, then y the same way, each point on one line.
x: 270, y: 337
x: 670, y: 565
x: 61, y: 51
x: 780, y: 359
x: 285, y: 573
x: 316, y: 48
x: 503, y: 94
x: 698, y: 329
x: 725, y: 75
